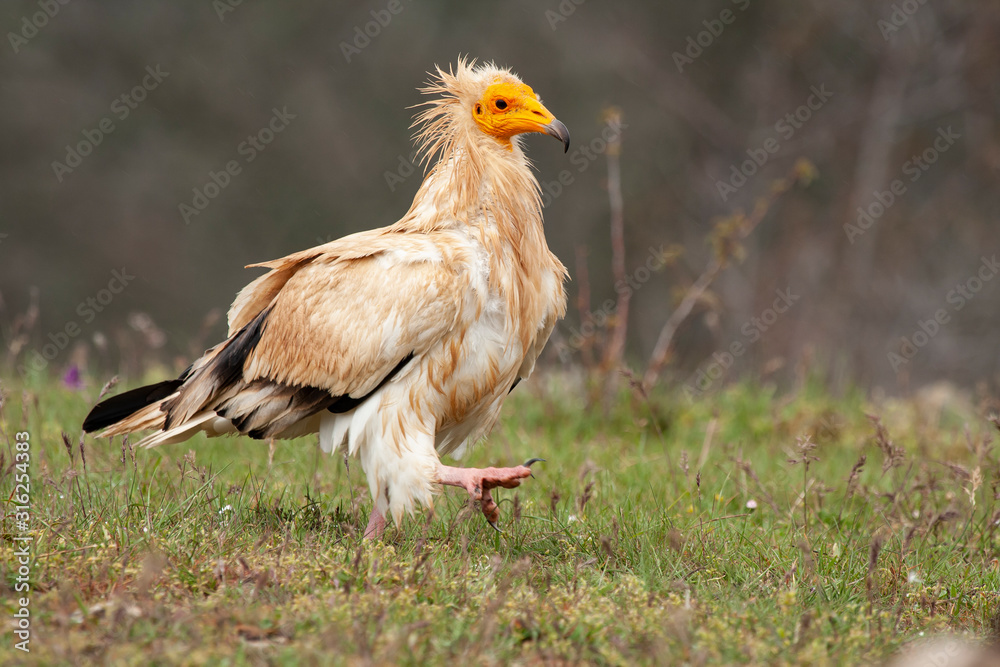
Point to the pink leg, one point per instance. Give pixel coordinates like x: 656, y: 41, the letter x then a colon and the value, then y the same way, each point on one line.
x: 479, y: 481
x: 376, y: 524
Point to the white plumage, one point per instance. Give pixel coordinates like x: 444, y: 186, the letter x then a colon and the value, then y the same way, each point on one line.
x: 399, y: 343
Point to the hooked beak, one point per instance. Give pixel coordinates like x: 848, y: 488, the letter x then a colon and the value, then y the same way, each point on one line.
x: 557, y: 129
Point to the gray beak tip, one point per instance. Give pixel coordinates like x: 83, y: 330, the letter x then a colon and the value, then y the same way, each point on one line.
x: 559, y: 130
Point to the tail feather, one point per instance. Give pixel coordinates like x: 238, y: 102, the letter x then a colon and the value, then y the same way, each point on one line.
x: 206, y: 421
x: 121, y: 407
x: 213, y: 396
x: 151, y: 417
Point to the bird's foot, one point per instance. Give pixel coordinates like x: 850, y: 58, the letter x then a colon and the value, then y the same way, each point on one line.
x: 479, y: 481
x: 376, y: 525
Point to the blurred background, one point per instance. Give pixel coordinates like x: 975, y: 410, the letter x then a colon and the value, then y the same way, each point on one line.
x: 123, y: 235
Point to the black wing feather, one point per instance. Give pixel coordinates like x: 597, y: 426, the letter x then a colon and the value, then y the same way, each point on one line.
x: 114, y: 409
x: 225, y: 371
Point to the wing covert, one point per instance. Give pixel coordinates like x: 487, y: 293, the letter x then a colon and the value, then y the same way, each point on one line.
x: 343, y: 324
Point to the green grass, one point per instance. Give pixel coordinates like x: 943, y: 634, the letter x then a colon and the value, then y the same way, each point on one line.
x: 633, y: 544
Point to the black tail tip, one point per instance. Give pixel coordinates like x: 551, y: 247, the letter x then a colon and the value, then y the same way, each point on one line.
x: 112, y: 410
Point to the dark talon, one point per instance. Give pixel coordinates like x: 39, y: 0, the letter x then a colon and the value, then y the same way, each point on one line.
x: 529, y: 462
x: 494, y: 526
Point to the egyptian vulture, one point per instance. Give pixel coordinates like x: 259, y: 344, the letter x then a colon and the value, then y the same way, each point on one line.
x: 399, y: 343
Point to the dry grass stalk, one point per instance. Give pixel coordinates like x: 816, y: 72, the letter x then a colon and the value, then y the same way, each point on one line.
x: 727, y: 245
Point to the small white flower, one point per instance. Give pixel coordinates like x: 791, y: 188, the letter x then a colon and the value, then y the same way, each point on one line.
x: 751, y: 504
x: 571, y: 519
x: 914, y: 577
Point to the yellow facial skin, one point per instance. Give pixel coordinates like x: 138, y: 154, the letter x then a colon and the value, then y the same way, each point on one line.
x: 508, y: 109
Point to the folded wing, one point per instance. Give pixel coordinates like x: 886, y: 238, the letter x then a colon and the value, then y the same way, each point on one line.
x: 321, y: 331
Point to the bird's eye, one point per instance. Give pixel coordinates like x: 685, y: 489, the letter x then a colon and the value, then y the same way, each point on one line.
x: 479, y: 108
x: 501, y: 104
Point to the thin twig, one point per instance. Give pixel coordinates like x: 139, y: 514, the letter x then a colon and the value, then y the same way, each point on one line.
x: 615, y: 348
x: 744, y: 226
x: 583, y: 305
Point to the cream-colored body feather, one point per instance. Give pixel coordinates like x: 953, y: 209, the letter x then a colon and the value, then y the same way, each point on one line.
x: 462, y: 291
